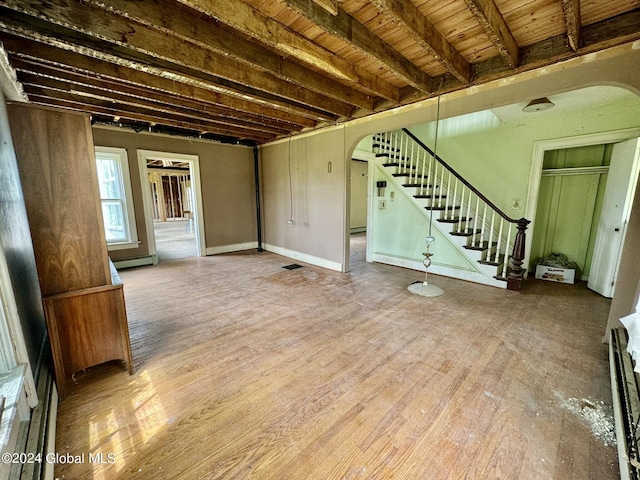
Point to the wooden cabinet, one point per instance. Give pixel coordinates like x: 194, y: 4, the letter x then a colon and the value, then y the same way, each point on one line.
x: 84, y: 308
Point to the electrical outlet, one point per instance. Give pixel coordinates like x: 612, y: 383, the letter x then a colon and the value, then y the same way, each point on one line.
x: 382, y: 204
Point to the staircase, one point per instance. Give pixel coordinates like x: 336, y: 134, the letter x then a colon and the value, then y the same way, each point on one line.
x: 484, y: 233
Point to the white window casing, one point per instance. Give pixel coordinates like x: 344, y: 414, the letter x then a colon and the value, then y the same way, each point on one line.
x: 116, y: 198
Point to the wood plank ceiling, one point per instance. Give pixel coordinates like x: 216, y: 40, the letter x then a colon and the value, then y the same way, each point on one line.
x: 255, y: 70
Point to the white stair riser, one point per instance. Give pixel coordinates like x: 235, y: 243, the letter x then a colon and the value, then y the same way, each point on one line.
x: 414, y: 176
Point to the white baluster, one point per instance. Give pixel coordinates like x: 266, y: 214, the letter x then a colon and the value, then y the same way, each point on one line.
x: 506, y: 251
x: 435, y: 190
x: 462, y: 194
x: 424, y: 165
x: 455, y: 199
x: 493, y: 216
x: 497, y: 257
x: 392, y: 145
x: 468, y: 227
x: 401, y: 153
x: 407, y: 156
x: 482, y: 226
x: 475, y: 221
x: 416, y: 164
x: 447, y: 213
x: 405, y: 152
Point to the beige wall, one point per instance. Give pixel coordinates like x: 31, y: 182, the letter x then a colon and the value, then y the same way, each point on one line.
x: 315, y: 199
x: 227, y: 186
x: 617, y: 66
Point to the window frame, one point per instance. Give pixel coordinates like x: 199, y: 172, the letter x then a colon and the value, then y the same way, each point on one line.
x: 119, y: 155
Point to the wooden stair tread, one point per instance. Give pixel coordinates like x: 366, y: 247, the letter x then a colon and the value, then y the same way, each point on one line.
x: 497, y: 263
x: 440, y: 209
x: 454, y: 219
x: 482, y: 246
x: 465, y: 233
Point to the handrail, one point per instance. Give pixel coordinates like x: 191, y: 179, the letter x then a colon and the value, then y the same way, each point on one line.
x: 515, y: 274
x: 463, y: 180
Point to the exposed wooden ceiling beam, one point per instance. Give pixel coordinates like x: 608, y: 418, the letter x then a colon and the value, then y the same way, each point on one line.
x: 571, y: 11
x: 241, y: 17
x: 65, y: 73
x: 9, y: 84
x: 316, y: 105
x: 331, y: 6
x: 406, y: 14
x: 344, y: 26
x: 191, y: 26
x: 492, y: 22
x: 278, y: 111
x: 103, y: 106
x: 76, y: 85
x: 88, y: 27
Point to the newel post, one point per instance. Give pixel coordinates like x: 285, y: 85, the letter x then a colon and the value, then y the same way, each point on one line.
x: 516, y: 275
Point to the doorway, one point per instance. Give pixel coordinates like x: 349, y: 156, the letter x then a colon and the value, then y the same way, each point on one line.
x: 172, y: 201
x: 358, y: 217
x: 536, y: 190
x: 572, y: 188
x: 173, y: 204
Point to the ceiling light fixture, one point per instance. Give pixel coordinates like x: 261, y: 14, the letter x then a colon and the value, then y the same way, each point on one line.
x: 538, y: 105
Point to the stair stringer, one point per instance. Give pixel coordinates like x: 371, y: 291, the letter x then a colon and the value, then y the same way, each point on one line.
x: 471, y: 271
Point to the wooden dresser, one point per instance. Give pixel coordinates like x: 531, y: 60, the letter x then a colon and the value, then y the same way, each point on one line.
x: 82, y: 295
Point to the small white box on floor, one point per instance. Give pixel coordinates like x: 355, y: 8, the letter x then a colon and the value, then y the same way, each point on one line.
x: 555, y: 274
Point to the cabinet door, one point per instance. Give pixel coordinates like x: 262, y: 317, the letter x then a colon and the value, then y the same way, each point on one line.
x: 57, y: 167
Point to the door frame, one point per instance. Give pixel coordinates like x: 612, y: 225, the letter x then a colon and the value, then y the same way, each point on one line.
x: 194, y: 172
x: 535, y: 175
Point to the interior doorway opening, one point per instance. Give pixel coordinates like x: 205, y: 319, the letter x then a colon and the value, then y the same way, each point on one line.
x: 606, y: 232
x: 173, y: 204
x: 572, y: 188
x: 358, y: 213
x: 173, y: 207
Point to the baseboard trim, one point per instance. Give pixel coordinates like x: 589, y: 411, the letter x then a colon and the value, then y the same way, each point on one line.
x: 136, y: 262
x: 235, y: 247
x: 50, y: 446
x: 305, y: 257
x: 460, y: 274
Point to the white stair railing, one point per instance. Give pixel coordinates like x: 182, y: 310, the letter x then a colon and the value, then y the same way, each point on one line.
x: 458, y: 201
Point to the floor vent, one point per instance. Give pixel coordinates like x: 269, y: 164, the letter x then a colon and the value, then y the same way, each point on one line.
x: 293, y: 266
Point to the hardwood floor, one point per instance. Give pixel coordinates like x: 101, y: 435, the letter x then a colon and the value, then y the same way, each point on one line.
x: 245, y: 370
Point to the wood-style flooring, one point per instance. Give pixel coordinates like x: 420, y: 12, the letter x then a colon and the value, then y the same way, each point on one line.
x: 246, y: 370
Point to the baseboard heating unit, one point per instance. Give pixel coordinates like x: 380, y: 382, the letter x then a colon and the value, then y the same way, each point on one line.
x: 625, y: 384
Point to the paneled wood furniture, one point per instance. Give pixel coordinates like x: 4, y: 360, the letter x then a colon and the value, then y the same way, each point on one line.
x: 84, y: 306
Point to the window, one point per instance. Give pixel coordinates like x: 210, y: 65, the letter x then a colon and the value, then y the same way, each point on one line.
x: 116, y: 198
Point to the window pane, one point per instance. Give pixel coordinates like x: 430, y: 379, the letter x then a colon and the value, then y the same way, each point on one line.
x: 109, y: 178
x: 114, y: 223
